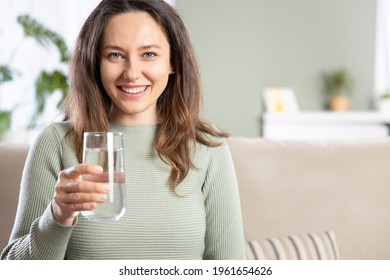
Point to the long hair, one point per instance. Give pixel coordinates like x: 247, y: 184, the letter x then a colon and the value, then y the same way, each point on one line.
x: 87, y: 106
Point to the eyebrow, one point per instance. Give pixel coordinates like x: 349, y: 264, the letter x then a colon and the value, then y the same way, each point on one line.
x: 146, y: 47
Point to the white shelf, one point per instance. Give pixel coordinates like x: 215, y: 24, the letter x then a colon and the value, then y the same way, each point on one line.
x: 326, y: 125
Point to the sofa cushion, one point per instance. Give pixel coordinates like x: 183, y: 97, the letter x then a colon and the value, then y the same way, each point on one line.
x: 12, y: 158
x: 302, y: 186
x: 309, y: 246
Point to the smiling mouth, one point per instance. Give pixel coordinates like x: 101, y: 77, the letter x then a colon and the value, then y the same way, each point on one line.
x: 134, y: 90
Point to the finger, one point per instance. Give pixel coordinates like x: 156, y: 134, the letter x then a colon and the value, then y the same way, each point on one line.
x: 80, y: 169
x: 80, y: 198
x: 118, y: 177
x: 83, y: 206
x: 82, y: 187
x: 75, y: 207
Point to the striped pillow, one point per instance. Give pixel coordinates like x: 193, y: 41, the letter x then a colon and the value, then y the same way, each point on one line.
x: 310, y: 246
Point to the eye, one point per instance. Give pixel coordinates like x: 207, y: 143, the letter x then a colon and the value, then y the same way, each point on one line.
x: 115, y: 56
x: 149, y: 55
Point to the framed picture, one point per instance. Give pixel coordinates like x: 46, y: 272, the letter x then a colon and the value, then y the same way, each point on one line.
x: 280, y: 100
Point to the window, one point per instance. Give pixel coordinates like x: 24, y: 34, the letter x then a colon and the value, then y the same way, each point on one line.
x: 27, y: 58
x: 382, y: 55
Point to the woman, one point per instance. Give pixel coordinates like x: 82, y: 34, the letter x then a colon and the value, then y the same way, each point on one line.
x: 133, y: 70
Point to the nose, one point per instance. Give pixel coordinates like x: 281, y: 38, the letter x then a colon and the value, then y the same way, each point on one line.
x: 132, y: 71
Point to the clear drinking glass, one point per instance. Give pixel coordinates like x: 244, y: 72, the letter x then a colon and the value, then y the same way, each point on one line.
x: 106, y: 149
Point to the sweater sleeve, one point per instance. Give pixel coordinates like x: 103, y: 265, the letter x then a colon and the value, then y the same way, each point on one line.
x: 224, y: 229
x: 36, y: 235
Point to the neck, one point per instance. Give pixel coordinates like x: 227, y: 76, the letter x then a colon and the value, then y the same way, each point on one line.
x: 134, y: 119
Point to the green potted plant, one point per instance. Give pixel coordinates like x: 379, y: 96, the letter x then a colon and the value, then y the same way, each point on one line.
x: 47, y: 82
x: 338, y: 87
x: 384, y: 102
x: 6, y: 75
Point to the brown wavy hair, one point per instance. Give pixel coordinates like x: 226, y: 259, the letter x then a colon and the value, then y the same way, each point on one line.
x: 87, y: 106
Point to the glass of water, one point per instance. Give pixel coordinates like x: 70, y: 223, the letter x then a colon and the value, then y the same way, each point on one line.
x: 106, y: 149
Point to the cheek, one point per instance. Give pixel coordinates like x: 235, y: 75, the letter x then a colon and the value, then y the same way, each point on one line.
x: 108, y: 73
x: 160, y: 73
x: 103, y: 74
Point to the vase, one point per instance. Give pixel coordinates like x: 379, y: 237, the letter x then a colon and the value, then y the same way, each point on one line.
x: 339, y: 103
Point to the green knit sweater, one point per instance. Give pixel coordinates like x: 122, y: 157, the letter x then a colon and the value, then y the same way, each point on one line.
x: 203, y: 221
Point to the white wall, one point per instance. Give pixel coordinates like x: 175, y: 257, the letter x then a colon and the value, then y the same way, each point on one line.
x: 244, y: 46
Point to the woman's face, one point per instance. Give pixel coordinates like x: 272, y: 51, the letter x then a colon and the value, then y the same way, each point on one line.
x: 134, y: 66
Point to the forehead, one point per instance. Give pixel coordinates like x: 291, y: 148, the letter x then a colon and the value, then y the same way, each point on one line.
x: 134, y: 27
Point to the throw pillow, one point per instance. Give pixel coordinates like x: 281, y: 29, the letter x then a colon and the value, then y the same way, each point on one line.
x: 309, y: 246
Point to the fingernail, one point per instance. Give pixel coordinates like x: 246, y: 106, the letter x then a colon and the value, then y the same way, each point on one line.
x: 102, y: 196
x: 72, y: 184
x: 98, y: 169
x: 107, y: 187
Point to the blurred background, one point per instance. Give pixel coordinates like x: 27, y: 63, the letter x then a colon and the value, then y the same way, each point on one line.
x: 301, y: 53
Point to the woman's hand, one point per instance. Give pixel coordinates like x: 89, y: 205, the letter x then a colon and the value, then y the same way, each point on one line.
x: 72, y: 194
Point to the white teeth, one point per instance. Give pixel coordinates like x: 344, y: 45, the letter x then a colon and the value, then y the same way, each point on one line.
x: 133, y: 90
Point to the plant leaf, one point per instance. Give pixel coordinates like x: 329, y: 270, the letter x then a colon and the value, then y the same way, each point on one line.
x: 47, y: 84
x: 5, y: 121
x: 42, y: 35
x: 339, y: 80
x: 5, y: 74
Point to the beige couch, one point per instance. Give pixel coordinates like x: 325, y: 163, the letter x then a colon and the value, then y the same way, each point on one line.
x: 287, y: 188
x: 12, y: 158
x: 297, y: 187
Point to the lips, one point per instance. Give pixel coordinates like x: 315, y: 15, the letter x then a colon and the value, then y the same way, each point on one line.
x: 134, y: 90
